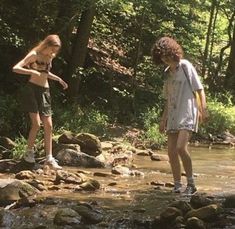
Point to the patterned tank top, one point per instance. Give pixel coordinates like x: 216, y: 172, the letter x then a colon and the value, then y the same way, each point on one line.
x: 40, y: 66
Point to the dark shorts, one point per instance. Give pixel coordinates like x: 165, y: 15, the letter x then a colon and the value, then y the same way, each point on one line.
x: 36, y: 99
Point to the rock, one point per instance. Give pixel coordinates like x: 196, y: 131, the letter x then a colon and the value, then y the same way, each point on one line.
x: 102, y: 174
x: 67, y: 177
x: 200, y: 200
x: 37, y: 184
x: 12, y: 190
x: 26, y: 174
x: 158, y: 157
x: 229, y: 201
x: 182, y: 205
x: 73, y: 158
x: 205, y: 213
x: 7, y: 218
x: 106, y: 145
x: 90, y: 185
x: 68, y: 138
x: 89, y: 215
x: 157, y: 183
x: 67, y: 216
x: 59, y: 147
x: 7, y: 165
x: 142, y: 153
x: 90, y: 144
x: 122, y: 170
x: 7, y: 143
x: 170, y: 214
x: 195, y: 223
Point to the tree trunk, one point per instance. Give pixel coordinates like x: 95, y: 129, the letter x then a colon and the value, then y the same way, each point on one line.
x: 206, y: 50
x: 210, y: 69
x: 79, y: 50
x: 230, y: 73
x: 64, y: 26
x: 230, y: 26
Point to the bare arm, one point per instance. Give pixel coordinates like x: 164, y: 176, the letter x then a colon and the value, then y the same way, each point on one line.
x: 202, y: 97
x: 20, y: 66
x: 57, y: 78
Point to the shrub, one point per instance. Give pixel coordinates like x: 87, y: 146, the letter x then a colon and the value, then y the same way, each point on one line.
x: 221, y: 118
x: 150, y: 121
x: 77, y: 120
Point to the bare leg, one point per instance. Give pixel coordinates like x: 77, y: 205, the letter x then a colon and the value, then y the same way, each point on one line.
x: 182, y: 150
x: 47, y: 125
x: 50, y: 160
x: 174, y: 157
x: 35, y: 126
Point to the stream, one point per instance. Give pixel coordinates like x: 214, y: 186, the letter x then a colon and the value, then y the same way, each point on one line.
x: 214, y: 171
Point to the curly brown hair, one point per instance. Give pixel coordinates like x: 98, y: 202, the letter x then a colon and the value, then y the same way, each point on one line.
x: 166, y: 47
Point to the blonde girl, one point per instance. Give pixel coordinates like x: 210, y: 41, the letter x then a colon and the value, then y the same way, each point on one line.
x: 36, y: 96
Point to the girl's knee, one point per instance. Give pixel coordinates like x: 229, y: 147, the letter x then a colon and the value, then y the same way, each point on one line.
x: 35, y: 125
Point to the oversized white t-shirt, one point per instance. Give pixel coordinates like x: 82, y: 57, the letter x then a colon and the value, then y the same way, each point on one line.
x: 178, y: 91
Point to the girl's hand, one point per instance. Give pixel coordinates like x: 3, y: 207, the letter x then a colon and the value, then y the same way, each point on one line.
x: 34, y: 74
x: 63, y: 83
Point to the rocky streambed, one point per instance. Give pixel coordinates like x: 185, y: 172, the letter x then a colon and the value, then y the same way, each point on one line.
x: 103, y: 184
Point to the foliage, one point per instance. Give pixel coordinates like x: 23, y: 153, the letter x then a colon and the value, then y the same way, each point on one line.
x: 221, y: 118
x: 12, y: 121
x: 77, y: 120
x: 123, y: 32
x: 150, y: 120
x: 19, y: 150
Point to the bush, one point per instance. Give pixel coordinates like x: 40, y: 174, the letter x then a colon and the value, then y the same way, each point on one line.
x: 19, y: 150
x: 150, y: 120
x: 77, y: 120
x: 12, y: 121
x: 221, y: 118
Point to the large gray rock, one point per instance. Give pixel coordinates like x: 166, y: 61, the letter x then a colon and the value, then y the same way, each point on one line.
x: 89, y: 143
x: 74, y: 158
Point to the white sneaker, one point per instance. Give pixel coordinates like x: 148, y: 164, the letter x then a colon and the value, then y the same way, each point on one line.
x: 29, y: 156
x: 52, y: 163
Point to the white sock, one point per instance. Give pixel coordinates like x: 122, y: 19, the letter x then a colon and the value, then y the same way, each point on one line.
x: 49, y: 157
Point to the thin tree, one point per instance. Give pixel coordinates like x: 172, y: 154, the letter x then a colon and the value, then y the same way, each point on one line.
x: 208, y: 37
x: 79, y: 49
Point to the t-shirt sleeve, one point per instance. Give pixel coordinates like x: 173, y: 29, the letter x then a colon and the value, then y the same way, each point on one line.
x: 192, y: 75
x: 196, y: 83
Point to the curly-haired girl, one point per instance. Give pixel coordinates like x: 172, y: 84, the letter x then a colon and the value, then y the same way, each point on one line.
x: 180, y: 116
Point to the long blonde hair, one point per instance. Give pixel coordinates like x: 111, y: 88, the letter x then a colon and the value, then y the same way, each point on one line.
x: 49, y: 41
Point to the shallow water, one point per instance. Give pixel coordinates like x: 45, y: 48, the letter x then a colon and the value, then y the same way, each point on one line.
x: 214, y: 170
